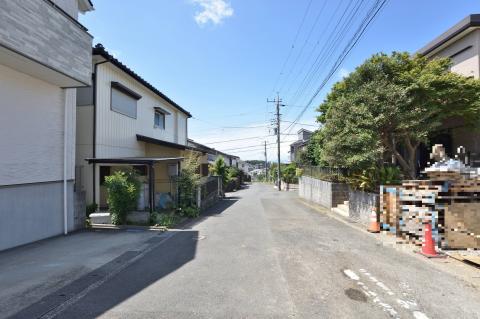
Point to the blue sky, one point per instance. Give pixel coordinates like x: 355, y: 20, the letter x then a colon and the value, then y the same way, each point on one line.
x: 221, y: 59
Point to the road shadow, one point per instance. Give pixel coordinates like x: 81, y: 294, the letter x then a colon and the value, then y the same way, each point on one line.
x: 133, y: 271
x: 214, y: 211
x: 171, y: 250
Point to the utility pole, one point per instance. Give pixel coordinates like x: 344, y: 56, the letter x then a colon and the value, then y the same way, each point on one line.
x: 266, y: 166
x: 278, y: 104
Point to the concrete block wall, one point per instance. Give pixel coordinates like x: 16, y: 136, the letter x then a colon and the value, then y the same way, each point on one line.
x: 324, y: 193
x: 360, y: 205
x: 30, y: 212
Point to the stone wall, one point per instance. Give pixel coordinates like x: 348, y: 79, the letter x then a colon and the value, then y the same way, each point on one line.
x: 324, y: 193
x: 360, y: 205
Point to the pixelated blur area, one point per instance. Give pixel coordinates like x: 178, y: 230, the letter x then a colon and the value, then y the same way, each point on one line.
x: 448, y: 200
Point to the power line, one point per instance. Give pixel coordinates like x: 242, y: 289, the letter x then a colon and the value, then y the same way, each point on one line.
x: 230, y: 127
x: 373, y: 12
x: 331, y: 43
x: 251, y: 146
x: 304, y: 44
x: 315, y: 125
x: 314, y: 47
x: 292, y: 47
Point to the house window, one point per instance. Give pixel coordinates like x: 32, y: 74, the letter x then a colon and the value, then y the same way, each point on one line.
x: 159, y: 120
x: 124, y: 100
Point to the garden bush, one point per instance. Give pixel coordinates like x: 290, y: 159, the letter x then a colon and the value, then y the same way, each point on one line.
x: 123, y: 189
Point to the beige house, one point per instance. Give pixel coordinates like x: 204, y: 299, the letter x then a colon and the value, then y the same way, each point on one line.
x: 460, y: 43
x: 124, y: 121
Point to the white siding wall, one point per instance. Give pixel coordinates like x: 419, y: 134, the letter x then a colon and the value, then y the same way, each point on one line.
x: 182, y: 128
x: 466, y: 63
x: 69, y: 6
x: 32, y: 129
x: 84, y: 180
x: 116, y: 133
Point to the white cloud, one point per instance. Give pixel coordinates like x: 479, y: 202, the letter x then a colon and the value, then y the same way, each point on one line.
x: 212, y: 11
x: 343, y: 73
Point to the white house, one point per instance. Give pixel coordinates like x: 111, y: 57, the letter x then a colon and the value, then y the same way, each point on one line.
x: 460, y: 43
x: 45, y: 53
x: 125, y: 121
x: 297, y: 147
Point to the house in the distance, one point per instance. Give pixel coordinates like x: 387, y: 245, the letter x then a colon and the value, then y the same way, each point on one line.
x: 209, y: 156
x: 124, y: 121
x: 460, y: 43
x: 45, y: 53
x: 300, y: 144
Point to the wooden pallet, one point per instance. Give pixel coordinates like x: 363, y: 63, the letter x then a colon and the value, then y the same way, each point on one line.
x: 471, y: 260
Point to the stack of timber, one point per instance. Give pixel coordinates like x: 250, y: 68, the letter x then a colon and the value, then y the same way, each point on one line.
x: 449, y: 200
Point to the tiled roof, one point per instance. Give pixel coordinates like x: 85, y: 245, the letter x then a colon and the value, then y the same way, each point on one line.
x: 100, y: 50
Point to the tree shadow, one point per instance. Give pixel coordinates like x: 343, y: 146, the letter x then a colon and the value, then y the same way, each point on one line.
x: 132, y: 272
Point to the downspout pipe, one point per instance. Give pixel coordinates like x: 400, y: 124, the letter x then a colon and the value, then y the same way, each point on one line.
x: 94, y: 140
x: 65, y: 144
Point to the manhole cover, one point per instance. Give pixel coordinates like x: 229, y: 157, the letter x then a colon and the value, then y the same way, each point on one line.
x: 356, y: 295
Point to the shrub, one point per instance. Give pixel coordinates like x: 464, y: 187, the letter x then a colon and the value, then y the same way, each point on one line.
x: 169, y: 219
x: 123, y: 189
x: 289, y: 174
x: 190, y: 211
x: 370, y: 179
x: 188, y: 181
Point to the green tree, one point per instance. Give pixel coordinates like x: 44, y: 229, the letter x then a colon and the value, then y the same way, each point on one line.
x: 391, y: 103
x: 123, y: 189
x: 219, y: 168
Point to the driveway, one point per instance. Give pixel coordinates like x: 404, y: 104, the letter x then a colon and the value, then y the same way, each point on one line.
x: 262, y: 254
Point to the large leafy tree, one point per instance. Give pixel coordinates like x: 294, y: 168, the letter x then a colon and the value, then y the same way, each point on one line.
x: 390, y: 105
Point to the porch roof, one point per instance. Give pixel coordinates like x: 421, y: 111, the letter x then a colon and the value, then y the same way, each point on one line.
x: 132, y: 160
x: 152, y: 140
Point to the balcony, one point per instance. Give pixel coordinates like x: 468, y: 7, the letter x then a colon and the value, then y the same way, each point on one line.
x: 39, y: 39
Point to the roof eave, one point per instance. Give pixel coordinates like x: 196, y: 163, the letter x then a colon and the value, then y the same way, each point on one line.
x: 100, y: 50
x: 465, y: 26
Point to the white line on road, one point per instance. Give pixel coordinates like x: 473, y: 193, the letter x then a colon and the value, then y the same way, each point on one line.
x: 350, y: 274
x: 419, y: 315
x: 406, y: 304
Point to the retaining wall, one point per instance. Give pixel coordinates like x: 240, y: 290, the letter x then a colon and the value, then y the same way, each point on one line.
x: 360, y: 205
x: 324, y: 193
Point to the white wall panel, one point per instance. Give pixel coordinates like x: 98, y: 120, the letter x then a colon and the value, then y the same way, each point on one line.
x: 467, y: 62
x: 31, y: 129
x: 116, y: 133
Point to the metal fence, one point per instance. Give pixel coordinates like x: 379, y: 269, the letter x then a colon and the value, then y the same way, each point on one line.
x: 325, y: 173
x: 210, y: 190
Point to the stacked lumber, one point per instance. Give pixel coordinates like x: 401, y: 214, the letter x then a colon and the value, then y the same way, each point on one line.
x: 390, y: 209
x: 449, y: 200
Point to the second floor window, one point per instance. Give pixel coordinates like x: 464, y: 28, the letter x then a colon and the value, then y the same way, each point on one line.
x: 159, y: 120
x: 124, y: 100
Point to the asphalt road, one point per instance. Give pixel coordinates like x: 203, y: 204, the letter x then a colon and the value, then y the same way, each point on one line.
x: 262, y: 254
